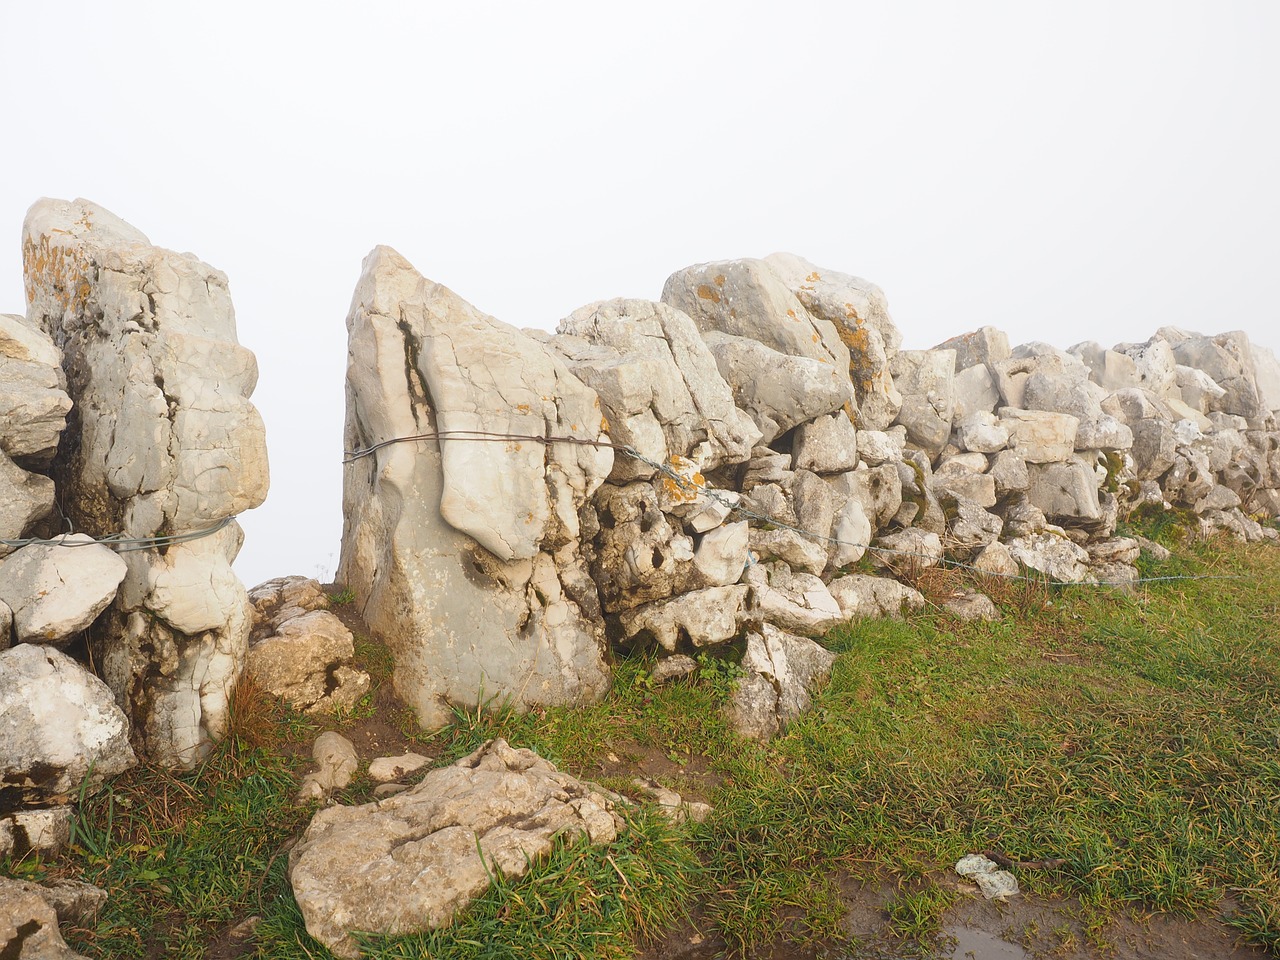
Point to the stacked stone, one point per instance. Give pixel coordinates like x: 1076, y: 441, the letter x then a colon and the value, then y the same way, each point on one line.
x: 162, y: 441
x: 768, y: 428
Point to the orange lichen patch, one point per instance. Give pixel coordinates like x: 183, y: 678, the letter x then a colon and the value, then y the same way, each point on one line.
x: 851, y: 314
x: 719, y: 281
x: 816, y: 338
x: 706, y: 293
x: 813, y: 277
x: 60, y: 271
x: 524, y: 408
x: 851, y: 411
x: 604, y: 424
x: 689, y: 486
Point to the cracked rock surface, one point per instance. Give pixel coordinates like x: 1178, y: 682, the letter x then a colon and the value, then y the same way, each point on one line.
x: 437, y: 843
x: 168, y: 442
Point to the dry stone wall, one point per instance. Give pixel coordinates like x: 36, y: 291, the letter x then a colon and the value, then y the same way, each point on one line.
x: 125, y: 425
x: 766, y: 433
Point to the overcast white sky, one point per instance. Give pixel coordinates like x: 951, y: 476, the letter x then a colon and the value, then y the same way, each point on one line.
x: 1069, y: 171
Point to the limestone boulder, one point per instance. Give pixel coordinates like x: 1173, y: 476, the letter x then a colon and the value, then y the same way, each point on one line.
x: 59, y: 727
x: 438, y: 844
x: 33, y: 392
x: 1155, y: 448
x: 878, y: 446
x: 828, y: 444
x: 639, y: 554
x: 860, y: 595
x: 980, y: 432
x: 336, y: 764
x: 782, y: 672
x: 1040, y: 436
x: 658, y: 384
x: 877, y: 489
x: 795, y: 602
x: 306, y: 661
x: 1103, y: 432
x: 1155, y: 364
x: 699, y: 618
x: 747, y: 299
x: 777, y: 390
x: 29, y: 925
x: 464, y: 552
x: 1009, y: 472
x: 860, y: 314
x: 975, y: 392
x: 56, y: 590
x: 722, y: 553
x: 1267, y: 369
x: 44, y: 830
x: 908, y: 551
x: 169, y: 443
x: 994, y: 560
x: 1107, y: 368
x: 1064, y: 490
x: 926, y: 380
x: 1052, y: 554
x: 1227, y: 359
x: 1133, y: 404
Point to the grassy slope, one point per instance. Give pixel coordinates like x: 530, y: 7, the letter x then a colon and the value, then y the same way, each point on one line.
x: 1133, y: 736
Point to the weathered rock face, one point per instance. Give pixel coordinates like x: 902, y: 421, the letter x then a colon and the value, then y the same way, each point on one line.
x: 438, y: 844
x: 464, y: 554
x: 658, y: 384
x: 58, y: 726
x: 29, y: 925
x: 168, y: 443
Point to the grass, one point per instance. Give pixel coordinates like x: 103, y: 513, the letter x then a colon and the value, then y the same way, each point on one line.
x: 1135, y: 736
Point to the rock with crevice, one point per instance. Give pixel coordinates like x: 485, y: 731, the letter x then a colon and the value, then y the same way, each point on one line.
x: 781, y: 673
x: 465, y: 554
x: 29, y: 924
x: 168, y: 443
x: 701, y: 618
x: 336, y: 764
x: 860, y: 595
x: 438, y: 844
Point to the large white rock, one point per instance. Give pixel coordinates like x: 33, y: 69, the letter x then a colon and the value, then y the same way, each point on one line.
x: 657, y: 382
x: 59, y: 726
x: 975, y: 392
x: 1066, y: 490
x: 168, y: 444
x: 746, y: 298
x: 411, y: 862
x: 29, y: 925
x: 33, y: 397
x: 56, y: 590
x: 703, y: 618
x: 1053, y: 555
x: 860, y: 314
x: 1110, y: 370
x: 860, y: 595
x: 1154, y: 363
x: 779, y: 391
x: 984, y: 347
x: 1267, y: 368
x: 464, y: 555
x: 1229, y: 360
x: 827, y: 445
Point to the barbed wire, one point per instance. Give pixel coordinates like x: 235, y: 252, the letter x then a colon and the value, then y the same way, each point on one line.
x: 687, y: 484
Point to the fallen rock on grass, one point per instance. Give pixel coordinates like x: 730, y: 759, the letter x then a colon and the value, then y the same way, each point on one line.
x: 412, y: 861
x: 336, y: 763
x: 993, y: 883
x: 29, y: 925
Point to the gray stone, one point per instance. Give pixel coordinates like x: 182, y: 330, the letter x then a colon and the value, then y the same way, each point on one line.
x: 74, y: 901
x: 388, y: 769
x: 981, y: 432
x: 465, y: 557
x: 29, y: 924
x: 702, y: 618
x: 926, y: 380
x: 670, y: 804
x: 878, y: 489
x: 993, y: 883
x: 1267, y: 369
x: 1067, y: 490
x: 1103, y: 432
x: 1154, y: 362
x: 59, y: 725
x: 284, y: 598
x: 827, y: 445
x: 1110, y: 370
x: 1040, y: 436
x: 860, y: 315
x: 56, y: 590
x: 1052, y: 554
x: 46, y: 830
x: 672, y: 668
x: 746, y: 298
x: 1154, y: 448
x: 791, y: 667
x: 778, y: 391
x: 168, y: 443
x: 861, y: 595
x: 907, y: 551
x: 657, y: 382
x: 1133, y: 404
x: 306, y: 661
x: 1228, y: 360
x: 799, y: 551
x: 33, y: 408
x: 439, y: 844
x: 983, y: 347
x: 1009, y: 471
x: 969, y: 527
x: 852, y: 532
x: 877, y: 446
x: 336, y: 764
x: 721, y: 554
x: 995, y: 560
x: 795, y: 602
x: 968, y: 605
